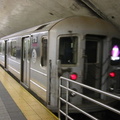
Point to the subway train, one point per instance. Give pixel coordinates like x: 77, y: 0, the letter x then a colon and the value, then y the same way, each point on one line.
x: 82, y: 48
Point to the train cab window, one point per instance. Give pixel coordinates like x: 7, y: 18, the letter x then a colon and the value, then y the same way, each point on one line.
x: 68, y: 50
x: 115, y: 52
x: 44, y: 52
x: 13, y: 48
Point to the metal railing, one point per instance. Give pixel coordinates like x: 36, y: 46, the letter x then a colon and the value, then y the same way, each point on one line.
x: 66, y: 99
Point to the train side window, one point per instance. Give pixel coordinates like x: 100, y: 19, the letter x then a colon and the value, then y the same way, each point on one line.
x: 44, y: 52
x: 0, y: 48
x: 3, y: 48
x: 68, y: 49
x: 13, y: 48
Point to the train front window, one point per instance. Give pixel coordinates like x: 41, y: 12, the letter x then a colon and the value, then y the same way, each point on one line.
x: 68, y: 50
x: 115, y: 52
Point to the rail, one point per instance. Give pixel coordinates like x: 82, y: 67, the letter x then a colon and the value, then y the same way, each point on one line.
x: 66, y: 100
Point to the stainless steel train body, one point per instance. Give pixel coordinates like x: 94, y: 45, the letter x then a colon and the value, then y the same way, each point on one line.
x: 78, y: 48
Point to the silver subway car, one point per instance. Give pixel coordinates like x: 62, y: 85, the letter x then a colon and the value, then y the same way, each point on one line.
x: 78, y: 48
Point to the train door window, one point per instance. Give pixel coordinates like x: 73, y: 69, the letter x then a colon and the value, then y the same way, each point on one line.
x: 91, y: 51
x: 115, y: 52
x: 44, y: 52
x: 68, y: 49
x: 13, y: 48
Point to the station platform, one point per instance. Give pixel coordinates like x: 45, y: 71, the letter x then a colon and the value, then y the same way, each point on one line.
x: 16, y: 103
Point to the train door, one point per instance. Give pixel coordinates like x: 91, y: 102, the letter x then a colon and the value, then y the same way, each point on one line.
x: 25, y: 61
x: 38, y: 65
x: 93, y: 64
x: 6, y: 53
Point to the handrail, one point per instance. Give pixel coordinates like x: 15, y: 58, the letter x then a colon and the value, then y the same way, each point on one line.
x: 94, y: 89
x: 84, y: 96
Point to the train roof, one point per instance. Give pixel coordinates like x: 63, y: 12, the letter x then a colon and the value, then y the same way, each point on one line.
x: 29, y: 30
x: 85, y: 23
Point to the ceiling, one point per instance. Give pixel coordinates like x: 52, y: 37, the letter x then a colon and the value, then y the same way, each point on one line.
x: 17, y: 15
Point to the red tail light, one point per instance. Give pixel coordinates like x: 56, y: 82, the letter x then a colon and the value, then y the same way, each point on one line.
x: 73, y: 76
x: 112, y: 74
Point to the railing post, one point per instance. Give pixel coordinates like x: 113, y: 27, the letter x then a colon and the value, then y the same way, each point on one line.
x: 67, y: 99
x: 59, y: 100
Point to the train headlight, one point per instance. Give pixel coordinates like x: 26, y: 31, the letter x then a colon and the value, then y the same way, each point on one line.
x: 73, y: 76
x: 112, y: 74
